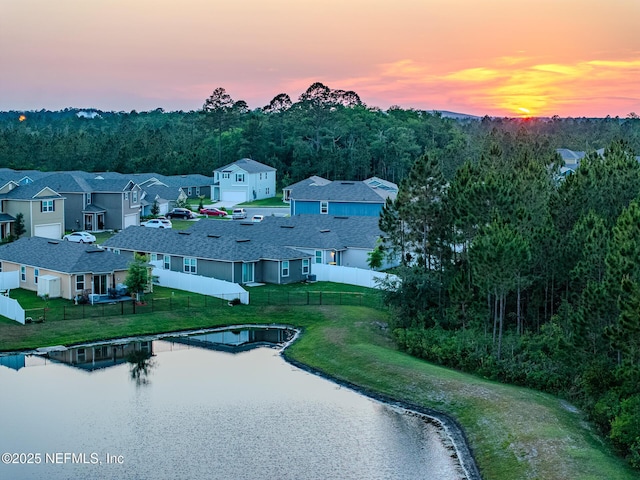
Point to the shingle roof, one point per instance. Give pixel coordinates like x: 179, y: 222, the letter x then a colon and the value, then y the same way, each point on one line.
x: 248, y: 165
x: 226, y: 248
x: 337, y: 191
x: 61, y: 256
x: 314, y: 179
x: 30, y: 190
x: 300, y: 231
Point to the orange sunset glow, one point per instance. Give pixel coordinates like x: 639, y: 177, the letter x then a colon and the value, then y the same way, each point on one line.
x: 496, y: 57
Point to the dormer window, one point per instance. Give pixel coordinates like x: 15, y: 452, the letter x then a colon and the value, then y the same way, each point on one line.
x: 324, y: 208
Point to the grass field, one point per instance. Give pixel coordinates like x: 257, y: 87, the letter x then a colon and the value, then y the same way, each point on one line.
x: 515, y: 433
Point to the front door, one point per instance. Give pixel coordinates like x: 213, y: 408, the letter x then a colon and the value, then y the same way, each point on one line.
x: 247, y: 272
x: 100, y: 284
x: 88, y: 222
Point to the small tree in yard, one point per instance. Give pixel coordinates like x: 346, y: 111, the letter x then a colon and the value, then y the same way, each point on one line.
x: 155, y: 208
x: 19, y: 225
x: 137, y: 276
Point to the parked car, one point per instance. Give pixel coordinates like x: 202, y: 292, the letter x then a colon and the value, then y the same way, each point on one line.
x: 157, y: 223
x: 79, y: 237
x: 257, y: 218
x: 183, y: 213
x: 239, y: 214
x: 213, y: 212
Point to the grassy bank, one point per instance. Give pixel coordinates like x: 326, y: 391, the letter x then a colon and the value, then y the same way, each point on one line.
x: 515, y: 433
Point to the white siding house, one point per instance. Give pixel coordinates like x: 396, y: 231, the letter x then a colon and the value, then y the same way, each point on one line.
x: 243, y: 181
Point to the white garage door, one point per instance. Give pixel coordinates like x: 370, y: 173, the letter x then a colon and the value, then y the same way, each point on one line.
x: 51, y: 230
x: 131, y: 219
x: 236, y: 197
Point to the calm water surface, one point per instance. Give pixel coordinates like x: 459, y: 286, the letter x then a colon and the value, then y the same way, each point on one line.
x: 189, y: 412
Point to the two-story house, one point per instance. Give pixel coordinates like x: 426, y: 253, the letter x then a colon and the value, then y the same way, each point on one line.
x: 243, y: 181
x: 95, y: 203
x: 42, y: 209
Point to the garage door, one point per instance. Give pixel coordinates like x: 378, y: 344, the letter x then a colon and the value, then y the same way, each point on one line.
x: 51, y: 230
x: 131, y: 219
x: 235, y: 197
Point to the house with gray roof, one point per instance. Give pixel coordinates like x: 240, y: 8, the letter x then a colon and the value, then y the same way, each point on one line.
x: 341, y: 198
x: 42, y: 209
x: 244, y: 180
x: 81, y: 269
x: 328, y: 239
x: 96, y: 202
x: 234, y: 258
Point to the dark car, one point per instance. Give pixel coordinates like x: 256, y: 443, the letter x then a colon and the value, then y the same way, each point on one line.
x: 213, y: 212
x: 181, y: 213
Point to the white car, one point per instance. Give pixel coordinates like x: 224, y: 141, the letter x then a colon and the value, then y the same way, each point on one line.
x: 79, y: 237
x: 157, y: 223
x: 239, y: 214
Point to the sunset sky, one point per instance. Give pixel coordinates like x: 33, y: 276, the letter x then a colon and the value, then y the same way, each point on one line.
x: 489, y: 57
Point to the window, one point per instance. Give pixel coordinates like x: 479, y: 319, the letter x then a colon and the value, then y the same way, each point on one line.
x: 285, y: 268
x: 47, y: 206
x: 324, y: 207
x: 305, y: 266
x: 134, y: 196
x: 239, y: 177
x: 23, y: 273
x: 79, y: 283
x: 167, y: 262
x: 126, y: 195
x: 154, y: 257
x: 87, y: 198
x: 81, y: 355
x: 198, y: 191
x: 226, y: 175
x: 190, y: 265
x: 260, y: 176
x: 116, y: 251
x: 318, y: 256
x: 36, y: 274
x: 189, y: 192
x: 265, y: 175
x: 267, y: 190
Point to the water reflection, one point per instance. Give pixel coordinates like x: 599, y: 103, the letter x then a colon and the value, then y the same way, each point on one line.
x: 140, y: 365
x: 212, y: 410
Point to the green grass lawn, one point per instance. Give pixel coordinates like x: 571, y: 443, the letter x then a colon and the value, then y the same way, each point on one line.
x: 266, y: 202
x: 515, y: 433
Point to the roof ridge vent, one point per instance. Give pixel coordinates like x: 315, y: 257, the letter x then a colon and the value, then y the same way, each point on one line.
x: 211, y: 235
x: 287, y: 226
x: 243, y: 240
x: 326, y: 230
x: 182, y: 232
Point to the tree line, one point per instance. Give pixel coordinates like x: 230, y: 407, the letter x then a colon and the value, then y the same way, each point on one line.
x: 518, y: 273
x: 325, y: 131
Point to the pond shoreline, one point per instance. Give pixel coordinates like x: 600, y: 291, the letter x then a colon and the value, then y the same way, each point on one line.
x: 448, y: 425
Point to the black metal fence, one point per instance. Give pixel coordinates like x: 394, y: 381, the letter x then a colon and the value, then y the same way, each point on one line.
x: 199, y: 303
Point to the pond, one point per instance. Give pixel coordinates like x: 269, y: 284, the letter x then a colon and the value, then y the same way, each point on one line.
x: 212, y: 405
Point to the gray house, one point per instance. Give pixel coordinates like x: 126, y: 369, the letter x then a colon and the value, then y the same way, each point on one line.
x: 95, y: 202
x: 234, y: 258
x: 328, y: 239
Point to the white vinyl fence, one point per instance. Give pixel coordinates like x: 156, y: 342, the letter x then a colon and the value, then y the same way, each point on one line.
x: 348, y: 275
x: 9, y: 307
x: 198, y: 284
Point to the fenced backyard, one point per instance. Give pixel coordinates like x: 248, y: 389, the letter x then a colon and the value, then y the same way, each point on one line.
x: 166, y: 299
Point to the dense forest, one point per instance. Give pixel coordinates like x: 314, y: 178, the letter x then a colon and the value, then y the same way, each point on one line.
x: 325, y: 132
x: 509, y: 269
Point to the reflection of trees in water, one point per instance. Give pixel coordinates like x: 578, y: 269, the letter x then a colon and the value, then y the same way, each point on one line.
x: 141, y: 364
